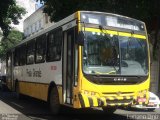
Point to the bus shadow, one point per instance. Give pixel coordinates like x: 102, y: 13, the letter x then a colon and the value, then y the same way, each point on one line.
x: 132, y: 109
x: 36, y: 109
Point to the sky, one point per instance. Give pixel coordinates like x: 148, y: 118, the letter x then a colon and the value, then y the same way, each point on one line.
x: 38, y: 3
x: 30, y: 6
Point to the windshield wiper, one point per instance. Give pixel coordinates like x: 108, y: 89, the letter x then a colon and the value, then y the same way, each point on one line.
x: 114, y: 51
x: 110, y: 72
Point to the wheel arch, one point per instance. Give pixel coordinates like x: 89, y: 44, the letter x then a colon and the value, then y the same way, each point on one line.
x: 51, y: 85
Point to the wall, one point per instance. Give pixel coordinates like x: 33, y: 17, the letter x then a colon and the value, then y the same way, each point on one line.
x: 36, y: 22
x: 30, y: 7
x: 154, y: 77
x: 154, y: 85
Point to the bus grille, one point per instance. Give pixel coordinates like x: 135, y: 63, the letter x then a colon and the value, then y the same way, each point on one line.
x: 119, y: 101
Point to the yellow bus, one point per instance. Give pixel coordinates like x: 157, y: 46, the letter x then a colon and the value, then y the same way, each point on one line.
x: 88, y: 59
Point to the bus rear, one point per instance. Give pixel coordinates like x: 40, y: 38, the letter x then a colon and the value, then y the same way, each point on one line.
x: 113, y: 61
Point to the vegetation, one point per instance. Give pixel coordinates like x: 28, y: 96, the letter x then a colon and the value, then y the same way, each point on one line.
x: 8, y: 42
x: 9, y: 13
x: 140, y: 9
x: 145, y: 10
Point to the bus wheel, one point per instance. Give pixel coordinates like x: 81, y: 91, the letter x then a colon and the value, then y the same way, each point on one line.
x: 18, y: 95
x: 151, y: 109
x: 54, y: 101
x: 109, y: 110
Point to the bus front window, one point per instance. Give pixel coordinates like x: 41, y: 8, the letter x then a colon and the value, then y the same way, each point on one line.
x: 114, y: 55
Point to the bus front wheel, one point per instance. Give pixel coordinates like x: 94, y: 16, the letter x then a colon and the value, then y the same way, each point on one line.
x: 54, y: 101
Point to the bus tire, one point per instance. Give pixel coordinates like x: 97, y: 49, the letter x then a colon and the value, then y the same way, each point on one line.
x: 54, y: 102
x: 109, y: 110
x: 18, y: 95
x: 151, y: 109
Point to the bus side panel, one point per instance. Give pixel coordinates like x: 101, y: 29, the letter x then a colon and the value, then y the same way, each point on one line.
x: 37, y: 90
x: 34, y: 79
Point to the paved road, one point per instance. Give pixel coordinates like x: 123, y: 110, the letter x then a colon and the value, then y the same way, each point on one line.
x: 32, y: 109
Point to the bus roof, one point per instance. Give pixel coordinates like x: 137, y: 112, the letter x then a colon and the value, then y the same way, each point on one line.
x: 66, y: 20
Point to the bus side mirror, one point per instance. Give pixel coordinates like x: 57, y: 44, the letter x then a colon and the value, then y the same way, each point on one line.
x: 80, y: 38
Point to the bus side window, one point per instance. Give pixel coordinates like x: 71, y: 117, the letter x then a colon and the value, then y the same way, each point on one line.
x: 16, y: 57
x: 40, y: 49
x: 54, y: 44
x: 22, y: 56
x: 8, y: 60
x: 58, y: 42
x: 30, y: 52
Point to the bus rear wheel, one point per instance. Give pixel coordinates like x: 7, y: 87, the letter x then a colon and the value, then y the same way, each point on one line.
x: 54, y: 101
x: 18, y: 95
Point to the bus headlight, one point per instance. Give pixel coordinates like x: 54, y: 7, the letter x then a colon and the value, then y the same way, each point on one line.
x: 93, y: 93
x: 142, y: 96
x: 89, y: 93
x: 142, y: 93
x: 86, y: 92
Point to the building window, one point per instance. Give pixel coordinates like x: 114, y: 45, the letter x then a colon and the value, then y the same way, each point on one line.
x: 46, y: 18
x: 25, y: 32
x: 30, y: 28
x: 28, y: 31
x: 40, y: 25
x: 33, y: 28
x: 37, y: 23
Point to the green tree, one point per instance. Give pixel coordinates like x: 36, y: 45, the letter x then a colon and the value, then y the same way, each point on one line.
x: 141, y: 9
x: 9, y: 13
x: 10, y: 41
x: 145, y: 10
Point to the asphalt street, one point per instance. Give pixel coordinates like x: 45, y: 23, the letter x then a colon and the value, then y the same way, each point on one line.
x: 28, y: 108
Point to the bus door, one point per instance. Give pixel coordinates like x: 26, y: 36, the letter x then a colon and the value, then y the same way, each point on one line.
x: 9, y: 70
x: 68, y: 66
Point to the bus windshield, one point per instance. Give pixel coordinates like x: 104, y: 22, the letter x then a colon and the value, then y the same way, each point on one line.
x: 109, y: 54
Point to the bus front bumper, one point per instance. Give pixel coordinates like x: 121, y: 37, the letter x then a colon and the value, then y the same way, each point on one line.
x: 94, y: 101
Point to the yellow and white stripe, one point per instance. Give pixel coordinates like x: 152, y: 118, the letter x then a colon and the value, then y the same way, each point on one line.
x: 93, y: 101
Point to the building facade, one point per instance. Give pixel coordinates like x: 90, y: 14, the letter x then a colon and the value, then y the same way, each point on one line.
x: 30, y: 6
x: 36, y: 22
x: 155, y: 67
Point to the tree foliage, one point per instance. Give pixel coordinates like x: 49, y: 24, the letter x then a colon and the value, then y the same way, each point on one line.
x: 9, y: 13
x: 145, y: 10
x: 13, y: 38
x: 140, y: 9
